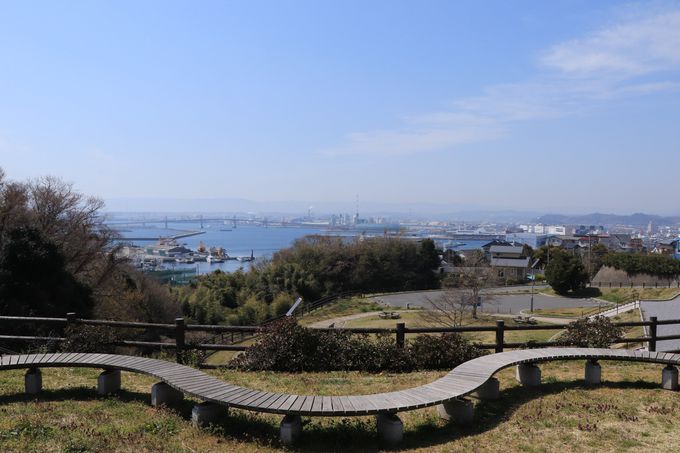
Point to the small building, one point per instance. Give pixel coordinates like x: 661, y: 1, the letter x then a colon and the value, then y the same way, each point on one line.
x: 666, y: 248
x: 533, y: 240
x: 508, y: 262
x: 167, y: 250
x: 617, y: 242
x: 486, y: 248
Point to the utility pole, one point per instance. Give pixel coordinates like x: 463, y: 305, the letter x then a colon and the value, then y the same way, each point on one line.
x: 533, y: 283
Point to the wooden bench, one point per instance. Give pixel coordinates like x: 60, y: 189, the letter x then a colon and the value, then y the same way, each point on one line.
x: 446, y: 392
x: 389, y: 315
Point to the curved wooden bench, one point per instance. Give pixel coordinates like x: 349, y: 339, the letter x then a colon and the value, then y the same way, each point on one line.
x: 461, y: 381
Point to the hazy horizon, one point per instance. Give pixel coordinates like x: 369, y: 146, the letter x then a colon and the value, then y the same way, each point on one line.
x: 569, y: 106
x: 366, y: 208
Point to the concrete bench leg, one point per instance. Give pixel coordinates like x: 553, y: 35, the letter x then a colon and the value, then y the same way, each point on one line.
x: 490, y: 390
x: 108, y: 382
x: 593, y: 373
x: 291, y: 429
x: 529, y: 374
x: 205, y: 413
x: 669, y: 378
x: 390, y: 428
x: 33, y: 381
x: 459, y: 411
x: 162, y: 393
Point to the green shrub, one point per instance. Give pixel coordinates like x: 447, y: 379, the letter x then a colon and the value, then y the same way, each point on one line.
x: 598, y: 332
x: 83, y: 338
x: 284, y: 345
x: 441, y: 351
x: 281, y: 304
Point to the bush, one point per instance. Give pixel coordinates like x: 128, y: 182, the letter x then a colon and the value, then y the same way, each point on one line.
x: 284, y: 345
x: 441, y: 352
x: 281, y: 304
x: 89, y: 339
x: 598, y: 332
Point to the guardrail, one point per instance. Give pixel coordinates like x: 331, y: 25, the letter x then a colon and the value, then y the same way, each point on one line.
x: 656, y: 284
x: 178, y: 330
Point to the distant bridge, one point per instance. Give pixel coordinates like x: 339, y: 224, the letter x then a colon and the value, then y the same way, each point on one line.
x: 233, y: 221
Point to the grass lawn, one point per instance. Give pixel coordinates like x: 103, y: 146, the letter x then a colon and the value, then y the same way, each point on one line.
x: 340, y: 308
x: 629, y: 412
x: 621, y: 295
x: 567, y: 312
x: 420, y: 319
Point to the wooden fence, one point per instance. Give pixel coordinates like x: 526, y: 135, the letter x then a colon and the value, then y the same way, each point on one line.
x: 176, y: 333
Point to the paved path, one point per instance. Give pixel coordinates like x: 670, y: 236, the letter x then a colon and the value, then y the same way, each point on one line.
x: 498, y: 303
x: 666, y: 309
x: 341, y: 321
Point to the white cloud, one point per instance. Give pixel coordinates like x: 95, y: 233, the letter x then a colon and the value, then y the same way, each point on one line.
x: 634, y: 48
x: 622, y: 60
x: 409, y: 141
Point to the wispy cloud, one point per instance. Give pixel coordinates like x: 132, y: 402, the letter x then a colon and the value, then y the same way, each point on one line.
x: 429, y: 132
x: 634, y: 48
x: 635, y: 57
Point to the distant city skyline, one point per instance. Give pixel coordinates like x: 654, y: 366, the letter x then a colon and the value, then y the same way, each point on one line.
x: 403, y: 211
x: 551, y: 107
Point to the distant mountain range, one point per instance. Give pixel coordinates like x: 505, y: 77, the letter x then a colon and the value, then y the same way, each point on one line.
x: 637, y: 219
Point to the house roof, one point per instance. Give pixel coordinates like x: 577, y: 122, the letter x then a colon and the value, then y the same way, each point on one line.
x: 506, y: 249
x: 496, y: 242
x: 510, y: 262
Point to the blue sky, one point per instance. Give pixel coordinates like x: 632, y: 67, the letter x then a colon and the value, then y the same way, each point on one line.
x: 564, y: 106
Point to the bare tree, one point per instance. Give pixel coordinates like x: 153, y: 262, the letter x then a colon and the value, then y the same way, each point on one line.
x: 450, y: 309
x: 462, y: 291
x: 73, y: 222
x: 69, y: 219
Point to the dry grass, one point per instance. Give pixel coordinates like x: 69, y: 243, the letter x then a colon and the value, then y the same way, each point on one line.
x: 624, y: 295
x: 342, y: 307
x: 629, y: 412
x: 568, y: 312
x: 420, y: 319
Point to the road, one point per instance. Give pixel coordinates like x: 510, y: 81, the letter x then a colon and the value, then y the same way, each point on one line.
x: 669, y: 309
x: 492, y: 301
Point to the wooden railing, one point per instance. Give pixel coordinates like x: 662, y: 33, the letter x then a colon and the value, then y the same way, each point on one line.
x: 176, y: 333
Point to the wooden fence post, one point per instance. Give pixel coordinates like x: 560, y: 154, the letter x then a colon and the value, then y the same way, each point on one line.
x: 652, y: 335
x: 70, y: 318
x: 179, y: 338
x: 401, y: 334
x: 500, y: 335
